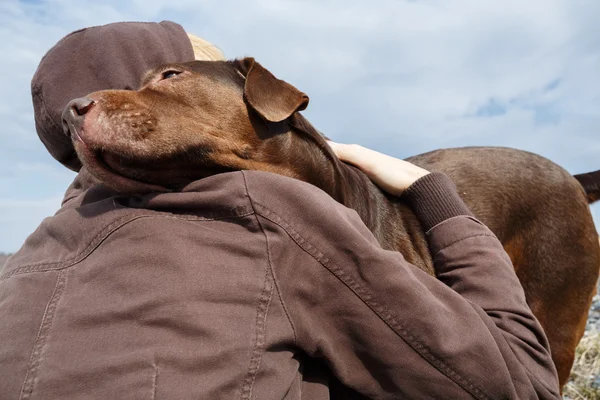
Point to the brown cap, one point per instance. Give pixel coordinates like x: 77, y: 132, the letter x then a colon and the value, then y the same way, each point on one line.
x: 113, y: 56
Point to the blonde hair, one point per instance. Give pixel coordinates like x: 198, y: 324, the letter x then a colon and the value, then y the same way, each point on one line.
x: 205, y: 50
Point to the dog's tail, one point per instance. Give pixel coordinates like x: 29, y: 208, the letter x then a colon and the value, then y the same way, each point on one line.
x: 591, y: 184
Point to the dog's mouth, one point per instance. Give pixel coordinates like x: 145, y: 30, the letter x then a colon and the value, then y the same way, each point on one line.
x: 105, y: 166
x: 127, y: 161
x: 128, y: 174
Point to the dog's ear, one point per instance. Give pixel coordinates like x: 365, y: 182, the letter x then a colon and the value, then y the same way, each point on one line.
x: 273, y: 99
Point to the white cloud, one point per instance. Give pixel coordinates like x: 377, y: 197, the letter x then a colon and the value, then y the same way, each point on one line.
x: 400, y: 76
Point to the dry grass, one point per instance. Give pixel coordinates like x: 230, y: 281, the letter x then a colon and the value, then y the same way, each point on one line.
x: 584, y: 383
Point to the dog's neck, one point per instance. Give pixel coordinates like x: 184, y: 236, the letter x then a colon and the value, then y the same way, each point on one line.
x: 393, y: 223
x: 319, y: 166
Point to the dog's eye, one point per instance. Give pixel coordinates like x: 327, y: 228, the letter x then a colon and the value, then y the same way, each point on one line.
x: 170, y: 74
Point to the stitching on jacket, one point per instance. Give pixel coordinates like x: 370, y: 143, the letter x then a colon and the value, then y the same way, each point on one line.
x: 38, y: 347
x: 452, y: 218
x: 154, y: 378
x: 261, y: 335
x: 261, y: 322
x: 285, y: 310
x: 367, y: 298
x: 460, y: 240
x: 103, y: 235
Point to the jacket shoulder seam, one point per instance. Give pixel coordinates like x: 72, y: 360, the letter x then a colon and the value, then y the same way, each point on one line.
x: 370, y: 301
x: 104, y: 233
x: 261, y: 315
x: 260, y: 340
x: 277, y: 288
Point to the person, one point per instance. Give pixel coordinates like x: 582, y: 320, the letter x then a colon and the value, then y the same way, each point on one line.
x: 249, y: 284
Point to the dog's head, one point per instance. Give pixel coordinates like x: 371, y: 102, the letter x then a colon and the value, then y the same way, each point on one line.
x: 187, y: 121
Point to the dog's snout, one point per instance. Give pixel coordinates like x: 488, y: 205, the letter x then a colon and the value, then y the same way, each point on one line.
x: 74, y: 113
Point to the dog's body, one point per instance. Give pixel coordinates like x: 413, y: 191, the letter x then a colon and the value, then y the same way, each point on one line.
x: 193, y: 120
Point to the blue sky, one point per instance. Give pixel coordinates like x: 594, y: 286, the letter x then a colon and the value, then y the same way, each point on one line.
x: 401, y: 77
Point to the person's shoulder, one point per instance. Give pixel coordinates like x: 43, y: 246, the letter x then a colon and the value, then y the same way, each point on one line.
x: 297, y: 203
x: 276, y: 190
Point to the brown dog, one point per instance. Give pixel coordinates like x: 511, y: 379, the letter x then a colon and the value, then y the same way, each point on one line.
x: 193, y: 120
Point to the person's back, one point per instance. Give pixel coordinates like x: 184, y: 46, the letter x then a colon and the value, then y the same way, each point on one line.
x: 162, y: 296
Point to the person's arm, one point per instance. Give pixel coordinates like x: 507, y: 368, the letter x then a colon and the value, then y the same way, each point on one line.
x: 477, y: 267
x: 386, y: 328
x: 434, y: 200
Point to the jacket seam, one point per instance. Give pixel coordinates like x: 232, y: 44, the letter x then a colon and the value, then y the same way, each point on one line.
x: 43, y: 332
x: 277, y: 288
x: 368, y: 299
x: 99, y: 239
x: 446, y: 246
x: 260, y: 337
x: 261, y: 317
x: 462, y: 216
x: 154, y: 378
x: 276, y: 284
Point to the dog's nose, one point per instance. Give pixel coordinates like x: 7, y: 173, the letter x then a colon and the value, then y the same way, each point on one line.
x: 74, y: 113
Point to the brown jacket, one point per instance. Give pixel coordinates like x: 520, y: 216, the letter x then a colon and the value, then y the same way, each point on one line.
x: 251, y: 285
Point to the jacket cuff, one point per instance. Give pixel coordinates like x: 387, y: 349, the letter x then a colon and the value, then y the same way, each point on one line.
x: 433, y: 199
